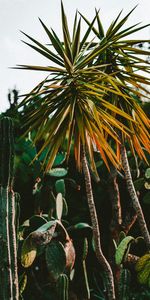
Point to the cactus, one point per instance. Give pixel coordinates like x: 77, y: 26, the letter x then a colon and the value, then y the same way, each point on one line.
x: 36, y: 221
x: 59, y: 206
x: 28, y: 253
x: 55, y: 259
x: 8, y: 216
x: 124, y: 283
x: 59, y: 159
x: 57, y: 172
x: 60, y: 187
x: 41, y: 236
x: 62, y: 287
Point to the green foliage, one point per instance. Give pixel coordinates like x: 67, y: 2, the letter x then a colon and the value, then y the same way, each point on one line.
x: 147, y: 173
x: 81, y: 231
x: 124, y: 284
x: 90, y: 99
x: 57, y: 172
x: 59, y: 206
x: 138, y: 183
x: 143, y: 270
x: 29, y: 251
x: 85, y: 249
x: 82, y: 225
x: 55, y: 259
x: 62, y: 287
x: 122, y: 249
x: 36, y: 221
x: 144, y: 183
x: 81, y: 234
x: 87, y: 74
x: 60, y: 187
x: 9, y: 214
x: 146, y: 198
x: 65, y: 208
x: 22, y: 283
x: 59, y: 159
x: 6, y: 152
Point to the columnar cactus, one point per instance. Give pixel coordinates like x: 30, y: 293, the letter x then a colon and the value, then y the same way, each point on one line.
x: 63, y: 287
x: 8, y: 245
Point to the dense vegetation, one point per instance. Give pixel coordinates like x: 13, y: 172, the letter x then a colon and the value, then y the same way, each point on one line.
x: 81, y: 170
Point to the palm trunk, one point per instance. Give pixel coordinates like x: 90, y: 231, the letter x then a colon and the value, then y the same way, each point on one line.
x: 96, y: 232
x: 114, y: 196
x: 134, y: 197
x: 129, y: 219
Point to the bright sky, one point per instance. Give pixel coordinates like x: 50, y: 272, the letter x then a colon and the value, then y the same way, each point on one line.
x: 16, y: 15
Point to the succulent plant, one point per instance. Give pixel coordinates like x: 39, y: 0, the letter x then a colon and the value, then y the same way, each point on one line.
x: 62, y: 287
x: 124, y: 283
x: 8, y: 214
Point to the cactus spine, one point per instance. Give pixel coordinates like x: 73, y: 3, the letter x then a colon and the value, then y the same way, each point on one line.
x: 8, y: 246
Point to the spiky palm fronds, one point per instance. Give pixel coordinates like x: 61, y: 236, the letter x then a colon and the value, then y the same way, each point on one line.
x: 130, y: 69
x: 75, y: 98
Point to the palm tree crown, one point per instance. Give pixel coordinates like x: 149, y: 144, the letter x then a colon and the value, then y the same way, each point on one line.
x: 89, y: 94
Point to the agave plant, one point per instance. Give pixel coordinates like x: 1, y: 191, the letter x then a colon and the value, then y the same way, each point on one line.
x: 77, y: 104
x: 126, y: 64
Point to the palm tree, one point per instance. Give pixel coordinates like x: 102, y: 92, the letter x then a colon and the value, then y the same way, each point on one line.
x: 73, y: 105
x: 125, y: 62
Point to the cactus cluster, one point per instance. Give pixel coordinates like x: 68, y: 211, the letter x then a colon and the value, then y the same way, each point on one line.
x: 45, y: 236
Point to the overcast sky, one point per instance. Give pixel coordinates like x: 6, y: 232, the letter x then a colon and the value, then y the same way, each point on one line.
x: 16, y: 15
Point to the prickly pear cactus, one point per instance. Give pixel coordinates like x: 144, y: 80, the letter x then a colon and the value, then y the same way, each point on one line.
x: 60, y: 258
x: 143, y: 270
x: 8, y: 215
x: 55, y: 259
x: 70, y: 255
x: 60, y: 187
x: 28, y: 253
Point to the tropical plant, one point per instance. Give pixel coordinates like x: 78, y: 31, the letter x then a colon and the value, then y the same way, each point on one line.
x: 87, y: 101
x: 45, y: 244
x: 125, y: 63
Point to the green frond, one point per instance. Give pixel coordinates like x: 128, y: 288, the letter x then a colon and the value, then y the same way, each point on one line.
x: 76, y: 41
x: 113, y: 29
x: 100, y: 26
x: 89, y: 96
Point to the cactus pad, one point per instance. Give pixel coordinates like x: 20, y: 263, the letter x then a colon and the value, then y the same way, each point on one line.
x: 55, y: 259
x: 28, y: 252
